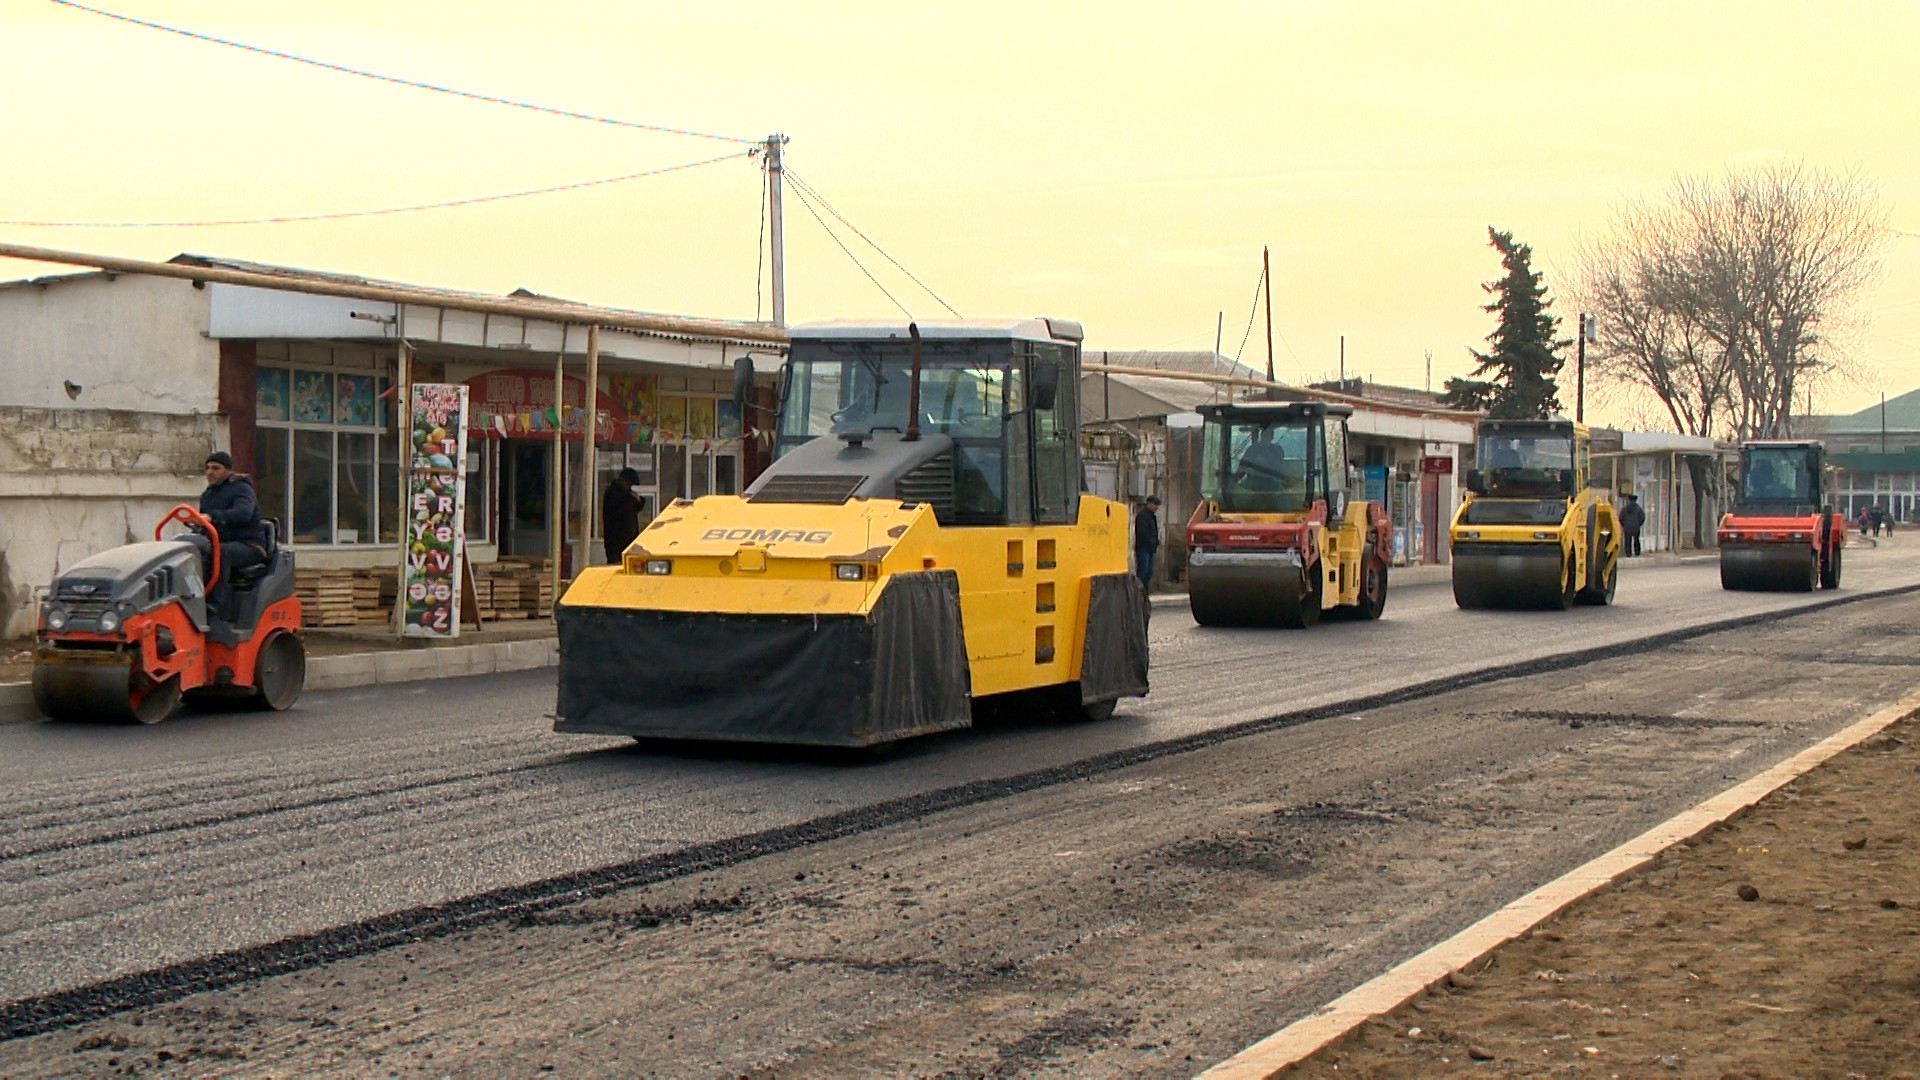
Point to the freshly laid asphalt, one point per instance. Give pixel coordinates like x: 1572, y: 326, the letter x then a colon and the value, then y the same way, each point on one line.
x: 128, y: 849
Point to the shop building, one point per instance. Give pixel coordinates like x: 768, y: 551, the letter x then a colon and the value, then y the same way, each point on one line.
x: 115, y: 386
x: 1877, y: 453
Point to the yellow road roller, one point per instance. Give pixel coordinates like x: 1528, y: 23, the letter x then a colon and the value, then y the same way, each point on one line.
x: 920, y: 545
x: 1532, y: 533
x: 1276, y: 540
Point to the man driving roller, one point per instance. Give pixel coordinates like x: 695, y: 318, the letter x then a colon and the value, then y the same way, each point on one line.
x: 229, y: 504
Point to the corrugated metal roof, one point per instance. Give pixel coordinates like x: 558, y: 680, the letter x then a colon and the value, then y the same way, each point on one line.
x: 1204, y: 363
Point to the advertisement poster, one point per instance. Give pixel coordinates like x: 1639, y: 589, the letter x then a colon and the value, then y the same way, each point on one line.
x: 436, y: 509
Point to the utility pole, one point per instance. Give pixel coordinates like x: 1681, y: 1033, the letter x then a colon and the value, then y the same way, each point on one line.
x: 1429, y: 371
x: 1343, y: 363
x: 1883, y: 421
x: 774, y: 170
x: 1219, y: 327
x: 1588, y: 332
x: 1266, y: 280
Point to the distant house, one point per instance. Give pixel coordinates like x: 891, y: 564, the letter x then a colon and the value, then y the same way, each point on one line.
x: 1877, y: 454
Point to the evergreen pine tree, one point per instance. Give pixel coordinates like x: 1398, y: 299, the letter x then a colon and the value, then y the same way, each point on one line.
x: 1515, y: 380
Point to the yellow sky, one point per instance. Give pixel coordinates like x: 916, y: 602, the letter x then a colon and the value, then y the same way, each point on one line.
x: 1117, y: 163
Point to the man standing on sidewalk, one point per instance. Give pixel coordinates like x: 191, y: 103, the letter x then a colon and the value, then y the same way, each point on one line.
x: 1632, y: 520
x: 1146, y: 540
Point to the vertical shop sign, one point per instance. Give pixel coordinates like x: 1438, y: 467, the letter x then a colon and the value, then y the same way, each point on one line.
x: 436, y: 511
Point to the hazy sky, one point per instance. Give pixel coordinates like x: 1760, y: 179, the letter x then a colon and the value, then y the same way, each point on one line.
x: 1122, y: 164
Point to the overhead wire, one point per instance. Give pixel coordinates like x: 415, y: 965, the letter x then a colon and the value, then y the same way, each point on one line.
x: 1257, y: 283
x: 798, y: 182
x: 285, y: 219
x: 808, y: 203
x: 760, y: 248
x: 396, y: 80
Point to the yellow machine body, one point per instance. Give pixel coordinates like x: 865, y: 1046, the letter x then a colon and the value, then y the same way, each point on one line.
x: 1276, y: 540
x: 1023, y: 590
x: 1532, y: 531
x: 920, y: 544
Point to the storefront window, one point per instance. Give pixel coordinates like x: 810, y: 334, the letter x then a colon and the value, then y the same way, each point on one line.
x: 354, y: 486
x: 479, y: 458
x: 327, y: 465
x: 313, y: 487
x: 270, y: 474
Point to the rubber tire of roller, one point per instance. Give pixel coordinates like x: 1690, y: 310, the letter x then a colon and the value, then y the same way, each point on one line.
x: 1603, y: 595
x: 1371, y: 606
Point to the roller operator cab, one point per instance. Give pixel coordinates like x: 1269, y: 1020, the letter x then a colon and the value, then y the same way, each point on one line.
x: 920, y: 544
x: 1532, y: 531
x: 1781, y: 532
x: 1277, y: 539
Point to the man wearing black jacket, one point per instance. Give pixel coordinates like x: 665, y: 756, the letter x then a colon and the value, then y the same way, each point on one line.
x: 1146, y: 540
x: 229, y: 504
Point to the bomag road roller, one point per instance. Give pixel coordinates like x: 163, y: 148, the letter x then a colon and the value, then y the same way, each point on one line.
x: 1781, y: 533
x: 919, y: 545
x: 1532, y: 532
x: 1276, y: 540
x: 127, y: 634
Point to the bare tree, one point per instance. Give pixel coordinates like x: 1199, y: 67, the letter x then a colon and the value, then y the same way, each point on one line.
x: 1713, y: 299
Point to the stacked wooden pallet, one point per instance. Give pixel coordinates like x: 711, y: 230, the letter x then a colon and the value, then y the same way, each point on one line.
x: 326, y: 597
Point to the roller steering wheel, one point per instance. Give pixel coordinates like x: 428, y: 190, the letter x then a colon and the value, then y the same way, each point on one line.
x: 194, y: 519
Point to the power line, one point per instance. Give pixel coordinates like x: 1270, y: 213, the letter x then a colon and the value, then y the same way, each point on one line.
x: 285, y: 219
x: 760, y: 248
x: 397, y: 80
x: 808, y: 203
x: 810, y: 190
x: 1257, y: 282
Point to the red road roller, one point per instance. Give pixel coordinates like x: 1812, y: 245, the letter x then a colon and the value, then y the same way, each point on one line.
x: 1781, y: 534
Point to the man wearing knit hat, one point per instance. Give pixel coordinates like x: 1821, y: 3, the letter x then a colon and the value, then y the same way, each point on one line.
x: 229, y: 504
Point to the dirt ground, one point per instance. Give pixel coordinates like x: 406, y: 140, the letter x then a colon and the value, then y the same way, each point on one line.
x: 1779, y: 945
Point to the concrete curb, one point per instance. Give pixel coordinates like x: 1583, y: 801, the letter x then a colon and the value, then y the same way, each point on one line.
x: 370, y: 669
x: 1331, y: 1022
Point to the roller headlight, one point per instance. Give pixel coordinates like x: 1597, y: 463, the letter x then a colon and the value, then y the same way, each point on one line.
x: 1470, y: 534
x: 853, y: 571
x: 1543, y: 536
x: 56, y: 617
x: 109, y: 622
x: 659, y: 566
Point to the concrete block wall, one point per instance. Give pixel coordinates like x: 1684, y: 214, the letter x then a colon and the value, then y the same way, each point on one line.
x: 77, y: 481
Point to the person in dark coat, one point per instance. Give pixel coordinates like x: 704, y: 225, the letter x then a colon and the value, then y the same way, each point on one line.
x: 620, y: 514
x: 1633, y: 518
x: 1146, y: 540
x: 229, y: 504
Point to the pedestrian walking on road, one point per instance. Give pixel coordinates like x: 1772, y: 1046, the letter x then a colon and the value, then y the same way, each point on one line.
x: 1633, y: 518
x: 620, y: 514
x: 1146, y: 540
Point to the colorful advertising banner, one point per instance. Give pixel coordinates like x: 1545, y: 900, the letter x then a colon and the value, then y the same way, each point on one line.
x: 435, y: 535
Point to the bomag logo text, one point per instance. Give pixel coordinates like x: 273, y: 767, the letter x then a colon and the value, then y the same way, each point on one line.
x: 769, y: 536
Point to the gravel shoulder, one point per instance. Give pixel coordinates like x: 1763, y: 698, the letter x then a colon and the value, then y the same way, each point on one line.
x: 1156, y: 919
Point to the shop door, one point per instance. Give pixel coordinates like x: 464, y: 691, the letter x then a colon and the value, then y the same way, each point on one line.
x: 525, y: 514
x: 689, y: 473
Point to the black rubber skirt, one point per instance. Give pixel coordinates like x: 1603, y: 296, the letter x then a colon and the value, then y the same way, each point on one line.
x: 818, y: 680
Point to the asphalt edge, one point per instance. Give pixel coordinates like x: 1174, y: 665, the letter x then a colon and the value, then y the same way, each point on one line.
x: 1327, y: 1025
x: 371, y: 669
